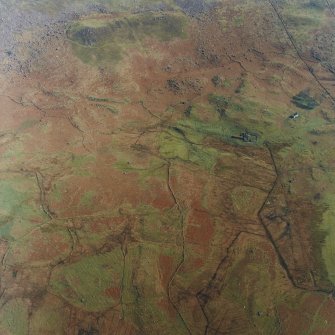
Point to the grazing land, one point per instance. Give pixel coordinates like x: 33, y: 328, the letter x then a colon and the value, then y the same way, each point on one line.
x: 167, y: 167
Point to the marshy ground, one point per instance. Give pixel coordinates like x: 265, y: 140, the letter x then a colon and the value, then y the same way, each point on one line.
x: 151, y: 178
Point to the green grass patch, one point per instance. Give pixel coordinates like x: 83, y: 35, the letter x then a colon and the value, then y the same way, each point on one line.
x: 218, y: 81
x: 326, y: 236
x: 80, y: 164
x: 158, y: 227
x: 85, y: 282
x: 174, y: 146
x: 110, y: 109
x: 188, y: 111
x: 238, y: 21
x: 143, y: 305
x: 275, y: 80
x: 145, y: 170
x: 104, y: 41
x: 87, y: 199
x: 161, y: 26
x: 201, y: 129
x: 220, y: 102
x: 303, y: 17
x: 19, y: 198
x: 241, y: 88
x: 28, y: 124
x: 110, y: 54
x: 14, y: 318
x: 322, y: 235
x: 249, y: 290
x: 48, y: 318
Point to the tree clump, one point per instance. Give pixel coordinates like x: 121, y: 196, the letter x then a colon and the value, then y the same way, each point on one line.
x: 304, y: 100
